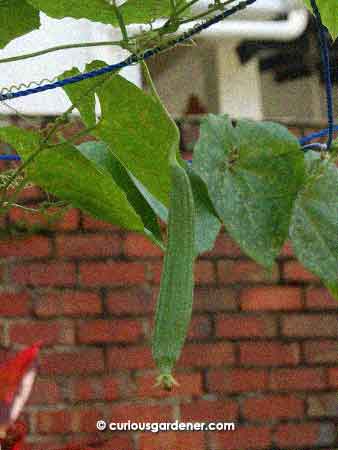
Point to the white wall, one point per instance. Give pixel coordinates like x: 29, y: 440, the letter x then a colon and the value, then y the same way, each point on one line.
x: 51, y: 33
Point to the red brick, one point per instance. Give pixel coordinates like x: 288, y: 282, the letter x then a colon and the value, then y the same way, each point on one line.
x: 84, y: 419
x: 77, y: 362
x: 189, y: 384
x: 224, y: 246
x: 29, y: 332
x: 322, y: 405
x: 209, y: 411
x: 18, y: 215
x: 45, y: 443
x: 91, y: 224
x: 130, y: 358
x: 296, y: 379
x: 207, y: 355
x: 14, y: 304
x: 132, y: 301
x: 294, y: 271
x: 45, y: 392
x: 302, y: 435
x: 333, y: 377
x: 31, y: 247
x: 237, y: 380
x: 317, y: 352
x: 54, y: 422
x: 31, y: 193
x: 273, y: 407
x: 46, y: 274
x: 171, y: 440
x: 268, y: 353
x: 204, y: 272
x: 93, y: 388
x: 271, y: 298
x: 75, y: 420
x: 200, y: 327
x: 233, y: 326
x: 70, y: 221
x: 141, y: 413
x: 215, y: 299
x: 310, y: 325
x: 68, y: 303
x: 138, y: 246
x: 243, y: 438
x: 122, y: 441
x: 320, y: 298
x: 112, y: 273
x: 96, y: 331
x: 243, y: 272
x: 156, y: 271
x: 88, y: 245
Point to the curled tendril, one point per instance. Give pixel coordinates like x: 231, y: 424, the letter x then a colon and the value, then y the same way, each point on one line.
x: 18, y: 87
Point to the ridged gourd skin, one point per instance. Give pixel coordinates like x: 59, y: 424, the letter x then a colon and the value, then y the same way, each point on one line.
x: 174, y: 305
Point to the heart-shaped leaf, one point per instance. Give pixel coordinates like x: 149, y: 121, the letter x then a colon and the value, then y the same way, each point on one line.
x: 314, y: 225
x: 138, y: 132
x: 253, y: 173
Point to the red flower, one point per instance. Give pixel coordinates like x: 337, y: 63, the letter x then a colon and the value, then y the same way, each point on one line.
x: 14, y: 437
x: 16, y: 381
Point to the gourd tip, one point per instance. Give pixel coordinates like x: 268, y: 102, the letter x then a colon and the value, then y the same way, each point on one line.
x: 167, y: 381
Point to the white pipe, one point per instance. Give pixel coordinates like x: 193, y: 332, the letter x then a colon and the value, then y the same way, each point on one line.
x: 279, y: 30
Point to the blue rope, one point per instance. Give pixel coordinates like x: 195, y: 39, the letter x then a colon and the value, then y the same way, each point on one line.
x: 10, y: 158
x: 304, y: 140
x: 327, y: 71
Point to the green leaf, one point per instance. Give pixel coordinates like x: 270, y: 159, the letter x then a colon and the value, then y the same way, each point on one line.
x: 95, y: 10
x: 64, y: 172
x: 329, y: 12
x: 144, y: 11
x: 253, y: 173
x: 133, y: 11
x: 17, y: 18
x: 160, y: 210
x: 99, y: 154
x: 83, y: 94
x: 314, y: 226
x: 138, y: 132
x: 207, y: 224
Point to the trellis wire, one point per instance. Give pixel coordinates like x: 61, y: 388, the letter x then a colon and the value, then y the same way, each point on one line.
x: 135, y: 59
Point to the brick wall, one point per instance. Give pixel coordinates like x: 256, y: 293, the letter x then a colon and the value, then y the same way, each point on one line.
x: 262, y: 350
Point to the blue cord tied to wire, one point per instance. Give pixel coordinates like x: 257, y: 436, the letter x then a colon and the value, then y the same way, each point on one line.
x: 134, y: 59
x: 328, y: 86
